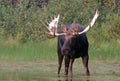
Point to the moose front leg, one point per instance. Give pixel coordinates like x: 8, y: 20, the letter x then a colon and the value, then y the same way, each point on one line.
x: 67, y: 60
x: 85, y: 63
x: 68, y: 65
x: 60, y: 59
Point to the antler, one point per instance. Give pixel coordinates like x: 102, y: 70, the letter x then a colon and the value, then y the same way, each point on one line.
x: 53, y: 28
x: 54, y: 23
x: 91, y: 23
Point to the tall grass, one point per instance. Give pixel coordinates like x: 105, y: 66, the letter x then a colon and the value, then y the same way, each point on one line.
x: 104, y: 50
x: 47, y: 50
x: 29, y: 51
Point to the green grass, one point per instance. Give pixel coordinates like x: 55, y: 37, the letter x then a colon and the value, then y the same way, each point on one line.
x: 47, y: 50
x: 29, y: 51
x: 104, y: 50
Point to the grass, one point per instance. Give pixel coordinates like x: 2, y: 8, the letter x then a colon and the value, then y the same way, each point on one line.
x: 105, y: 51
x: 30, y: 51
x: 47, y: 50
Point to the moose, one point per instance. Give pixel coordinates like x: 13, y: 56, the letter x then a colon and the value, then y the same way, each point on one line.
x: 72, y: 43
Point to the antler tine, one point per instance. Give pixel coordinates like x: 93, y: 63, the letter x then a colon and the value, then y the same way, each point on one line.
x: 43, y: 23
x: 58, y: 16
x: 46, y: 22
x: 51, y: 18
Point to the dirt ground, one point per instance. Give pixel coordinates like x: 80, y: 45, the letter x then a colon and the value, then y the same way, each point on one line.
x: 47, y: 71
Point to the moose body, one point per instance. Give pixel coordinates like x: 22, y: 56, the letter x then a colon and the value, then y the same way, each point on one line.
x: 72, y: 43
x: 72, y: 47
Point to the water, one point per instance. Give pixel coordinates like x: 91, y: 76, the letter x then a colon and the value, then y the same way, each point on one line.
x: 44, y: 71
x: 36, y: 76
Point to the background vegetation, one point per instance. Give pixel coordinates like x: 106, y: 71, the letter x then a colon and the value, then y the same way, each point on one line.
x: 22, y: 27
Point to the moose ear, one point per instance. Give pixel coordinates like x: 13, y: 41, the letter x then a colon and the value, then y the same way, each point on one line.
x: 63, y: 27
x: 76, y: 28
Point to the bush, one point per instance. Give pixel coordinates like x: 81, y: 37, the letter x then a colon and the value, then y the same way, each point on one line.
x: 24, y: 24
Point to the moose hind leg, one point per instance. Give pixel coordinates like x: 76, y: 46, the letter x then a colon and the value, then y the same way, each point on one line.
x: 70, y: 66
x: 85, y: 63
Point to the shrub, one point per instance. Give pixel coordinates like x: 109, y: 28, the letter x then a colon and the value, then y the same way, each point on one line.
x: 24, y: 24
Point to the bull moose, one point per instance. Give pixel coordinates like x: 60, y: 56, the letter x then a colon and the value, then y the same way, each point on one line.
x: 72, y: 43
